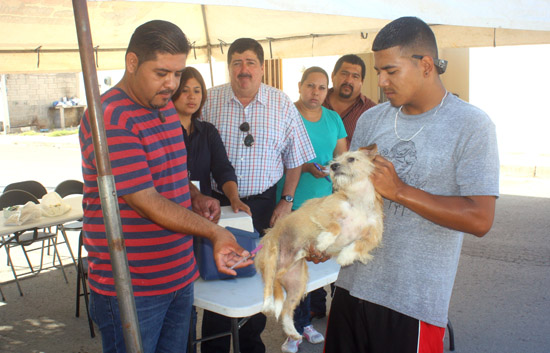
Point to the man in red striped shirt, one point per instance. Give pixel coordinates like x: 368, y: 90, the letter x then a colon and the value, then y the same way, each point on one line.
x: 345, y: 96
x: 155, y: 199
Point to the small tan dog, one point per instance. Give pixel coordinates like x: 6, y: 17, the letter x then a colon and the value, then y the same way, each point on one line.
x: 346, y: 225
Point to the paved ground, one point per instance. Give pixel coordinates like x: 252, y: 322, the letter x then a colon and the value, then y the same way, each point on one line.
x: 500, y: 302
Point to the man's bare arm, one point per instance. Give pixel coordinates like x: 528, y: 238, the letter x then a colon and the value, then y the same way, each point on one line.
x: 291, y: 182
x: 470, y: 214
x: 151, y: 205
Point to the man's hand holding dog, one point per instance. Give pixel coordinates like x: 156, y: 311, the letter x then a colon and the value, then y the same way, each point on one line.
x: 385, y: 179
x: 471, y: 214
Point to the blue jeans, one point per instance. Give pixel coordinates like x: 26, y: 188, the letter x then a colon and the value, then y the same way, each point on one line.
x: 319, y: 301
x: 301, y: 314
x: 163, y: 321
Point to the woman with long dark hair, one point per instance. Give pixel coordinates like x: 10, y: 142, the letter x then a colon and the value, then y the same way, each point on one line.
x: 206, y: 154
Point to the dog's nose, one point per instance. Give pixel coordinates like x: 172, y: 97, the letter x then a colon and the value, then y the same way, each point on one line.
x: 335, y: 166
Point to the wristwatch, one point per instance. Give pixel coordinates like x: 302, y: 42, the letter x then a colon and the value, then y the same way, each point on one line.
x: 287, y: 198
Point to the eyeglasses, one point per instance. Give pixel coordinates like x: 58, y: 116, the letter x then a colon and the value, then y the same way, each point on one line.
x: 440, y: 64
x: 248, y: 139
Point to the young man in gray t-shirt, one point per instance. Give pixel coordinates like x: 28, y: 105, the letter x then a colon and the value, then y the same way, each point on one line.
x: 438, y: 172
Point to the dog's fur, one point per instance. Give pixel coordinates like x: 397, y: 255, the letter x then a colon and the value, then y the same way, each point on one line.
x: 346, y: 224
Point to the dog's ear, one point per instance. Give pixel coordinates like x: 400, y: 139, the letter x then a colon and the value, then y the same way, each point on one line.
x: 370, y: 150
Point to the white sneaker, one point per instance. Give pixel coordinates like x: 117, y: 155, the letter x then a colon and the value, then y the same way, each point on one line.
x: 290, y: 345
x: 312, y: 335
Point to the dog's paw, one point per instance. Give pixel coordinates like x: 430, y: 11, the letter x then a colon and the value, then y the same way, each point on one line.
x: 289, y: 329
x: 347, y: 255
x: 269, y: 305
x: 364, y: 258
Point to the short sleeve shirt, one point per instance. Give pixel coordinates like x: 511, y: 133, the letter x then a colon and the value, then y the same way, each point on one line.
x: 324, y: 135
x: 454, y: 154
x: 281, y: 140
x: 144, y: 152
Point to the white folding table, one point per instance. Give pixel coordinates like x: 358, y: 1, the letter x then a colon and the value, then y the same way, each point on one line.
x: 243, y: 297
x: 7, y: 232
x: 75, y: 213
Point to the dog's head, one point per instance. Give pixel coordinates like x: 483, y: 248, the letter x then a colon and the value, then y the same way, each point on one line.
x: 351, y: 167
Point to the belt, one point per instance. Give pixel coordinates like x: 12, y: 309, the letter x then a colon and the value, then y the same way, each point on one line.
x: 263, y: 195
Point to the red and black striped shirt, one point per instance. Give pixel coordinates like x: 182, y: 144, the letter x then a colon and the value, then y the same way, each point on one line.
x: 144, y: 152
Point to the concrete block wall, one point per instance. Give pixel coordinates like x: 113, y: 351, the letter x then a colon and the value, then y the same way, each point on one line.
x: 30, y: 98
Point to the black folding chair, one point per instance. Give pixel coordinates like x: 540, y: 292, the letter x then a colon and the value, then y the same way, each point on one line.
x: 66, y: 188
x: 31, y: 186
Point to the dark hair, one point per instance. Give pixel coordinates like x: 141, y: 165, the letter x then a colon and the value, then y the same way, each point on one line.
x: 155, y: 37
x: 351, y: 59
x: 187, y: 74
x: 243, y: 44
x: 312, y: 70
x: 409, y: 33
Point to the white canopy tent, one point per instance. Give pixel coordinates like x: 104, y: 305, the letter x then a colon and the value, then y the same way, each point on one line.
x: 40, y: 35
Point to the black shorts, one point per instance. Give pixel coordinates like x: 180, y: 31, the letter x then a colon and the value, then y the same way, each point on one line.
x: 358, y: 326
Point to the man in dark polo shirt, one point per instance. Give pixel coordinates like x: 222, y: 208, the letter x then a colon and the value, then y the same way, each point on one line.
x: 345, y: 96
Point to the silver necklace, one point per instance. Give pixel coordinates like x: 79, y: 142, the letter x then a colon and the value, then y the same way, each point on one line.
x: 413, y: 136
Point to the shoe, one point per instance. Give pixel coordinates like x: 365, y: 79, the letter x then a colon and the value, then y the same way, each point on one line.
x: 312, y: 335
x: 290, y: 345
x: 316, y: 315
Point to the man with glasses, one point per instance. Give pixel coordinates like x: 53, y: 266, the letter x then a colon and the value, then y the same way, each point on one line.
x: 265, y: 137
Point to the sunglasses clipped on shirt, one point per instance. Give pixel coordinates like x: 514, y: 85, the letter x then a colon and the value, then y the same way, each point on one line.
x: 248, y: 139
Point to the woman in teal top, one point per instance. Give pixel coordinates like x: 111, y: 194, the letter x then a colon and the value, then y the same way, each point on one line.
x: 328, y: 137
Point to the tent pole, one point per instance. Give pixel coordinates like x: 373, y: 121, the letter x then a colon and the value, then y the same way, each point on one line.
x: 208, y: 45
x: 107, y: 190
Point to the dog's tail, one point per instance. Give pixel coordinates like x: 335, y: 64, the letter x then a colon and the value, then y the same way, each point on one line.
x: 266, y: 263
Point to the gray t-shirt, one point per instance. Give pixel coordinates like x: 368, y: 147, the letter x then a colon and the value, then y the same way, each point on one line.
x: 455, y: 154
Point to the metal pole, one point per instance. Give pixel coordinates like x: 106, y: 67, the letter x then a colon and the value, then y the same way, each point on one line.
x: 106, y: 184
x: 4, y: 104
